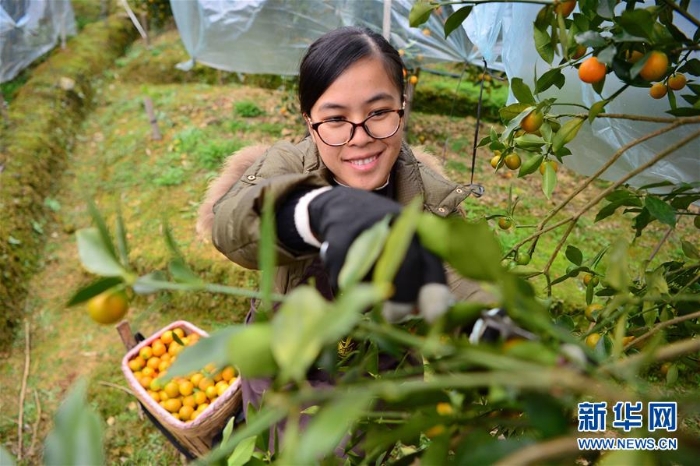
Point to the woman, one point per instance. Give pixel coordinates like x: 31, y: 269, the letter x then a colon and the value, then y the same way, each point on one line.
x: 350, y: 172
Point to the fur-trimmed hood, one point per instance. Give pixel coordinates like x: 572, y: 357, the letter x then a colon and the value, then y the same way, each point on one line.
x: 236, y: 165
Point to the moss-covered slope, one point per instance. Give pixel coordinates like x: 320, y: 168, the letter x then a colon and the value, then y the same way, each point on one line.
x: 43, y: 119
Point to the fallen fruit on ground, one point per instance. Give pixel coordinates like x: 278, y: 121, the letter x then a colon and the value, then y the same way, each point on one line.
x: 108, y: 307
x: 658, y: 91
x: 655, y: 67
x: 591, y: 70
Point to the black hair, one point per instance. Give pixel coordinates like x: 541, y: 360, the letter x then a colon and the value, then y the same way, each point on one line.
x: 334, y: 52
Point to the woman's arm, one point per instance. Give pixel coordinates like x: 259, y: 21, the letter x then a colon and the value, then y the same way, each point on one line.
x: 237, y: 215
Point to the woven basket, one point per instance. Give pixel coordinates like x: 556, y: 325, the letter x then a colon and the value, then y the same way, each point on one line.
x: 195, y: 435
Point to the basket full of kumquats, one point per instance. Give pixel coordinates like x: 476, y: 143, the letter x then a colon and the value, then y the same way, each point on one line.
x: 193, y: 408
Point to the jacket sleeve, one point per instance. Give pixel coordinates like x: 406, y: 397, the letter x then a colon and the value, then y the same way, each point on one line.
x: 237, y: 215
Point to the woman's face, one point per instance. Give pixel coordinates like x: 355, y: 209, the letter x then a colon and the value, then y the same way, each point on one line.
x: 360, y: 91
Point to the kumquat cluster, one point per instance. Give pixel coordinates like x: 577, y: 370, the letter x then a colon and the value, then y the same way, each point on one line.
x: 185, y: 398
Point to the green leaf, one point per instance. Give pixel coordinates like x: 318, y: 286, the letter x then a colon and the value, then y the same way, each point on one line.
x: 592, y: 39
x: 574, y: 254
x: 228, y: 430
x: 596, y: 109
x: 456, y: 19
x: 598, y: 86
x: 543, y: 43
x: 330, y: 425
x: 96, y: 256
x: 151, y: 283
x: 397, y: 243
x: 546, y: 414
x: 363, y: 254
x: 437, y: 450
x: 181, y: 272
x: 617, y: 275
x: 529, y: 141
x: 522, y: 91
x: 77, y: 434
x: 530, y: 165
x: 566, y: 133
x: 210, y: 350
x: 660, y: 210
x: 617, y: 201
x: 178, y: 266
x: 607, y: 55
x: 266, y: 255
x: 250, y: 350
x: 692, y: 66
x: 101, y: 226
x: 553, y: 77
x: 296, y: 332
x: 638, y: 22
x: 684, y: 112
x: 259, y: 424
x: 470, y: 248
x: 241, y: 455
x: 420, y: 13
x: 690, y: 250
x: 512, y: 111
x: 347, y: 310
x: 93, y: 289
x: 122, y: 244
x: 549, y: 180
x: 606, y: 8
x: 656, y: 282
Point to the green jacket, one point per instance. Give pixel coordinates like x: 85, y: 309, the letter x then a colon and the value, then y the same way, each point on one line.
x: 283, y: 168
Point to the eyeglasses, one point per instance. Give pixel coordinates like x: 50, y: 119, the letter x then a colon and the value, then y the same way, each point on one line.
x: 338, y: 132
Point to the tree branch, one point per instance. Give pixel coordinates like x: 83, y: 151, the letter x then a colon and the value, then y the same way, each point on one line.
x: 671, y: 351
x: 660, y: 326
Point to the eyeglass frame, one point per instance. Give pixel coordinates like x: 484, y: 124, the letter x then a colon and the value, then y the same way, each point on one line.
x: 314, y: 125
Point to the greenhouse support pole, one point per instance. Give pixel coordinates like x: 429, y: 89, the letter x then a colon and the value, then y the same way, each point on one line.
x: 386, y: 23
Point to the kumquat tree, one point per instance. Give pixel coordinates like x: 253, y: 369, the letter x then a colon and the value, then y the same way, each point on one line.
x: 612, y: 381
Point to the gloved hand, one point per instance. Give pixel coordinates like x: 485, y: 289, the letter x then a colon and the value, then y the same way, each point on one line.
x: 336, y: 216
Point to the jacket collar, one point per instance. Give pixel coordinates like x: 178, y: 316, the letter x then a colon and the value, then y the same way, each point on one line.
x: 413, y: 178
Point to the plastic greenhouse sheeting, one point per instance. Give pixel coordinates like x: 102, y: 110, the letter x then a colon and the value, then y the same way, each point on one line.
x: 270, y: 36
x: 29, y: 29
x: 595, y: 144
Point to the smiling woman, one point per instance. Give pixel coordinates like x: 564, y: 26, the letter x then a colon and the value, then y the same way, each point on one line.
x: 352, y: 171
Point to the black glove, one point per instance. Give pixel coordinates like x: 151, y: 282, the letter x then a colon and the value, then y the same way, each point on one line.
x: 336, y: 216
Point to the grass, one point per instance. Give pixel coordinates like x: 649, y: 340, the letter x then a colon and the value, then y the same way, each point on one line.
x: 115, y: 163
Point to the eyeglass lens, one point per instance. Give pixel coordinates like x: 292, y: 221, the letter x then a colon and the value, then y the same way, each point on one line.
x: 379, y: 126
